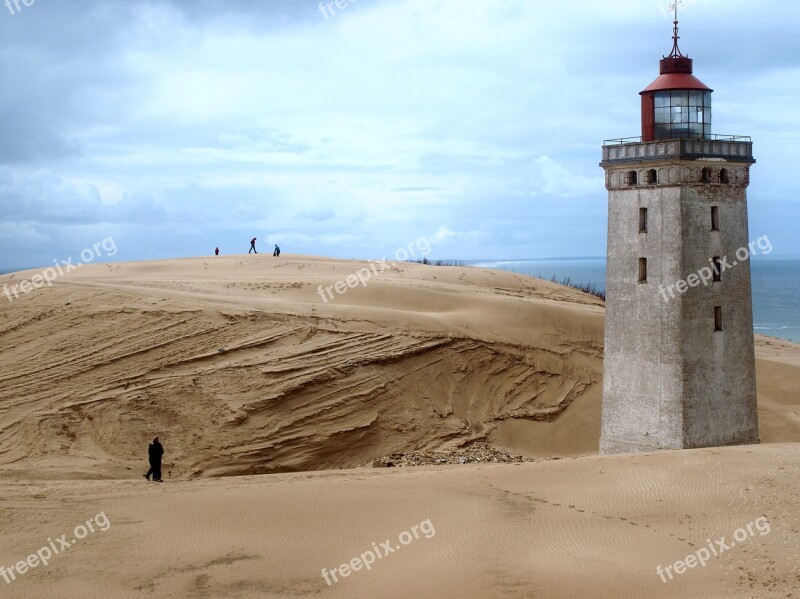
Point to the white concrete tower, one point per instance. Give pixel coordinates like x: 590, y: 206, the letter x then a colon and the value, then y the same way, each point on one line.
x: 679, y: 367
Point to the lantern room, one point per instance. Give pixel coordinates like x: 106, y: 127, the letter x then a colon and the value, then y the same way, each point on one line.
x: 677, y: 105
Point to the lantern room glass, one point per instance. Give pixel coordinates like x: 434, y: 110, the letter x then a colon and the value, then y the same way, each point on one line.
x: 682, y: 114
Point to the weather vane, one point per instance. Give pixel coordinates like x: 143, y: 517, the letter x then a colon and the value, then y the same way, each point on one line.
x: 676, y: 53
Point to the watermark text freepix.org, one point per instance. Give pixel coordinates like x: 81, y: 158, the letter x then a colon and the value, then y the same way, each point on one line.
x: 421, y: 247
x: 328, y: 8
x: 59, y: 268
x: 715, y: 548
x: 717, y: 266
x: 43, y: 555
x: 15, y: 4
x: 379, y: 551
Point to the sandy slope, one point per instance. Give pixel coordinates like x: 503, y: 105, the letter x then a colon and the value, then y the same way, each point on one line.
x: 242, y: 368
x: 574, y: 528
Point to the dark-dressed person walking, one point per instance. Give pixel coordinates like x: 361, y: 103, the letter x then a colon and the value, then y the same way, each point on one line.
x: 253, y: 245
x: 154, y: 452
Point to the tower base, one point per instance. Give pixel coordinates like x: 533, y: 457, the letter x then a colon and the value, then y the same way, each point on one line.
x: 614, y: 447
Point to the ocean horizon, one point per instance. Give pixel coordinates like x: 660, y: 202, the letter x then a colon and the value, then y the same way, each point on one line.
x: 775, y: 282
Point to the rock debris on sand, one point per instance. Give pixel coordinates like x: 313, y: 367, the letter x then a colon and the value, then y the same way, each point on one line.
x: 472, y: 454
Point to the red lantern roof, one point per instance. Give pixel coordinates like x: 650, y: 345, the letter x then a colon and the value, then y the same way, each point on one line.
x: 676, y: 81
x: 676, y: 69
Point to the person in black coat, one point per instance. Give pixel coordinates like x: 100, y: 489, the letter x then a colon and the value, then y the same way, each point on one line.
x: 154, y: 452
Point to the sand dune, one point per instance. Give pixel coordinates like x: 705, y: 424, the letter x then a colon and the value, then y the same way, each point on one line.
x: 579, y: 527
x: 242, y: 368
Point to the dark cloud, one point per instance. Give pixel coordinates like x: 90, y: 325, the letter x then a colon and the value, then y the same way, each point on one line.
x: 269, y: 13
x: 32, y: 142
x: 177, y: 124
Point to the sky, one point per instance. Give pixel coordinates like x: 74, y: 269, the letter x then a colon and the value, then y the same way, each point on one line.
x: 174, y: 127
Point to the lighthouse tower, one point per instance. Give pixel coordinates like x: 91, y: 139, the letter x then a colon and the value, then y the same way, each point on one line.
x: 679, y: 368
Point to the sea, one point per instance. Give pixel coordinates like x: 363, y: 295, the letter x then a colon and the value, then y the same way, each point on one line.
x: 776, y: 286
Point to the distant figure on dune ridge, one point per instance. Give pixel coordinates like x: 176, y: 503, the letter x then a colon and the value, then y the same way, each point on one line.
x: 253, y: 245
x: 154, y: 452
x: 277, y: 251
x: 216, y: 251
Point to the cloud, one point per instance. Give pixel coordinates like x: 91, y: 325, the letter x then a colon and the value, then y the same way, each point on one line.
x: 553, y: 180
x: 319, y: 213
x: 180, y: 125
x: 22, y: 235
x: 443, y: 234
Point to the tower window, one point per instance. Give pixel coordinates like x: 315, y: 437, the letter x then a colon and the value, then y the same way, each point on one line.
x: 716, y: 264
x: 652, y: 177
x: 631, y: 178
x: 643, y: 270
x: 642, y: 220
x: 717, y: 318
x: 715, y: 218
x: 706, y: 175
x: 723, y: 176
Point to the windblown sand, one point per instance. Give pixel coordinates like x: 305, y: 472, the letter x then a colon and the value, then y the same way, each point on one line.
x: 241, y: 368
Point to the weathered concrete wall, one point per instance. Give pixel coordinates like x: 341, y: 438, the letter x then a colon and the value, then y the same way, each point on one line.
x: 642, y: 369
x: 670, y: 380
x: 719, y: 366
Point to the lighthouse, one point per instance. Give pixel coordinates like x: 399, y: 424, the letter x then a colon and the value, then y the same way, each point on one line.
x: 679, y: 362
